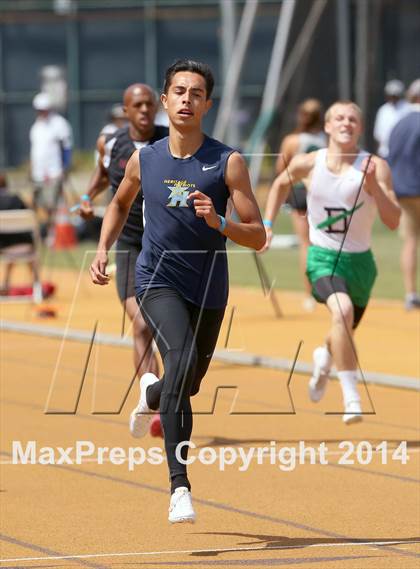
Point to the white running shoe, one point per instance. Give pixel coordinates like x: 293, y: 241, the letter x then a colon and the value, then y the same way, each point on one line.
x: 181, y: 510
x: 318, y: 382
x: 352, y: 413
x: 142, y: 415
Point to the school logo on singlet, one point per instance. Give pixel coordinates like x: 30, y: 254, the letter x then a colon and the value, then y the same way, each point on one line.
x: 335, y: 215
x: 178, y: 196
x: 179, y: 192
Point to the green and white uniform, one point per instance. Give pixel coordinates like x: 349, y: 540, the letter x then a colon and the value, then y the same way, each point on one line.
x: 340, y: 228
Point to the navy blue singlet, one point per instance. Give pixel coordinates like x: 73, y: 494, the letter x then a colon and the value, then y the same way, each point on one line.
x: 180, y: 250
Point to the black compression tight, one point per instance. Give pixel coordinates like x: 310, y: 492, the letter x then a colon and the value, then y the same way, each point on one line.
x: 186, y: 337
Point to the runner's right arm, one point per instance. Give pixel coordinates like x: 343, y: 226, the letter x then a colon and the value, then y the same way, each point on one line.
x: 98, y: 183
x: 299, y: 168
x: 115, y: 217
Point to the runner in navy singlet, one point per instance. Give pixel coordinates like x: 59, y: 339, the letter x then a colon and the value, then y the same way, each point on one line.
x: 182, y: 279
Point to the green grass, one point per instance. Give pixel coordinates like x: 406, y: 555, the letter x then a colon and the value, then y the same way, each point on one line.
x: 281, y: 265
x: 71, y: 259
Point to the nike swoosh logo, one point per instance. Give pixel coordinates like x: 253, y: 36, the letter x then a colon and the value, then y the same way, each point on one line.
x: 205, y: 168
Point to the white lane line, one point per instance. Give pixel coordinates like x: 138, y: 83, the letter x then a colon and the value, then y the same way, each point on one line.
x: 224, y: 355
x: 219, y: 550
x: 327, y: 453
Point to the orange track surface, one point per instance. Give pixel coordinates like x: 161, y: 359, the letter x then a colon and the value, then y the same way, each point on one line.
x: 321, y: 516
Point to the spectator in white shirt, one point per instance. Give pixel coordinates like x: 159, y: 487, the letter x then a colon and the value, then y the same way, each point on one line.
x: 389, y: 114
x: 51, y: 144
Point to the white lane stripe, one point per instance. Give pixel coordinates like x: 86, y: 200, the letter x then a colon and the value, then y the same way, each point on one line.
x: 221, y: 550
x: 328, y: 453
x: 226, y: 356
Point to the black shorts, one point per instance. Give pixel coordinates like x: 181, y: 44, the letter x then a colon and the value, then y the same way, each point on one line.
x: 297, y: 198
x: 125, y: 259
x: 326, y: 286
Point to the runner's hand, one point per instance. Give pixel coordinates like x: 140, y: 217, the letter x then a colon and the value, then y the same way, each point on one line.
x: 204, y: 208
x: 98, y: 268
x: 86, y: 209
x: 370, y: 184
x: 268, y: 239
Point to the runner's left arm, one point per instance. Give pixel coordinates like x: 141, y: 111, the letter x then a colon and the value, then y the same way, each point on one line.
x: 378, y: 183
x: 115, y: 217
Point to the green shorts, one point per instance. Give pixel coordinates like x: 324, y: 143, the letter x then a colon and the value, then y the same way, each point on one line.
x: 357, y: 269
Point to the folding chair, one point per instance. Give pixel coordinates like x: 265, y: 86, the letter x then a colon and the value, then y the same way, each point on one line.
x: 22, y: 221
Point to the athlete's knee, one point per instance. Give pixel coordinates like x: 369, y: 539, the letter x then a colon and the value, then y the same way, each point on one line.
x: 343, y: 317
x: 131, y: 308
x: 180, y: 369
x: 195, y: 387
x: 140, y: 329
x: 200, y: 372
x: 342, y: 311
